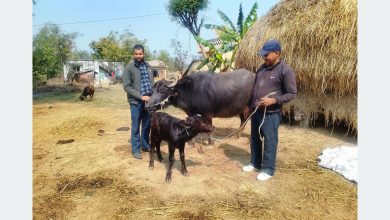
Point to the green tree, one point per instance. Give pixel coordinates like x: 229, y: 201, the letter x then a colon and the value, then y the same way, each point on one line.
x: 186, y: 12
x: 117, y: 47
x: 127, y: 41
x: 230, y: 36
x: 164, y: 56
x: 107, y: 48
x: 51, y: 48
x: 181, y: 55
x: 81, y: 55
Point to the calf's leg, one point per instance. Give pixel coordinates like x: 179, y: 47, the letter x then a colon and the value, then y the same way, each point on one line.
x: 170, y: 163
x: 183, y: 171
x: 158, y: 143
x: 210, y: 141
x: 151, y: 153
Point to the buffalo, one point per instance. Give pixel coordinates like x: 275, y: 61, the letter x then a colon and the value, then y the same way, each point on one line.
x: 220, y: 95
x: 88, y: 91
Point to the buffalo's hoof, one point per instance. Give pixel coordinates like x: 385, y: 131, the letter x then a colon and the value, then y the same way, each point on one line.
x: 184, y: 173
x: 168, y: 179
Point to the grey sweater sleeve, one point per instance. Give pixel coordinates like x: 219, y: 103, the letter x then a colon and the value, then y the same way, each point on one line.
x: 289, y: 85
x: 128, y: 84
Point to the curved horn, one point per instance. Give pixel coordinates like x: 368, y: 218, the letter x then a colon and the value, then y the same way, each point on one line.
x: 172, y: 84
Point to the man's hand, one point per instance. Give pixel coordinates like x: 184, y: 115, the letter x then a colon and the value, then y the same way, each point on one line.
x: 267, y: 101
x: 145, y: 98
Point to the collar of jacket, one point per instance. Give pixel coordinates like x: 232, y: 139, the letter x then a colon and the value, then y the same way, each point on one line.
x: 134, y: 64
x: 271, y: 67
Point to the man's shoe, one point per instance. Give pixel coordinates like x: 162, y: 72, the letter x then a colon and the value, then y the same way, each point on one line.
x: 248, y: 168
x: 263, y: 176
x: 137, y: 156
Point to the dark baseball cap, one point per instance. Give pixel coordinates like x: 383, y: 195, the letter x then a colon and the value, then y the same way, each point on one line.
x: 270, y: 46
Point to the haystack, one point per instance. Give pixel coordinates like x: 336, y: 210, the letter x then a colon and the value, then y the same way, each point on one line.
x: 319, y: 41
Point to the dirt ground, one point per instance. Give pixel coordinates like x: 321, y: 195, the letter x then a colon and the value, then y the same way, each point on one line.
x: 95, y: 176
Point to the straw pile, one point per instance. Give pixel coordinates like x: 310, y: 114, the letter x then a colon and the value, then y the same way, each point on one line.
x: 77, y: 127
x: 319, y: 41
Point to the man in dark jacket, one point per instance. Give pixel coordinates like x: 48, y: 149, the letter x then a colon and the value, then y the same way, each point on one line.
x: 137, y: 82
x: 274, y: 85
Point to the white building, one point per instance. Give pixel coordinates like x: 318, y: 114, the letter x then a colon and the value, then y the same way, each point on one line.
x: 93, y: 70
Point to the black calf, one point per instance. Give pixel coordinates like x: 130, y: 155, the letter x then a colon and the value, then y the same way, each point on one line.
x: 176, y: 132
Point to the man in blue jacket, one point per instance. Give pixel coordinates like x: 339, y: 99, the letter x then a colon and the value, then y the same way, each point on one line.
x: 274, y: 77
x: 138, y: 82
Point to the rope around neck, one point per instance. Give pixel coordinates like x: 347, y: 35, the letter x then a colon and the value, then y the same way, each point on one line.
x: 162, y: 103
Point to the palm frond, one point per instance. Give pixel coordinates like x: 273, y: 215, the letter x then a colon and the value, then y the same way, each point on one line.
x: 229, y: 35
x: 213, y: 27
x: 205, y: 42
x: 203, y: 63
x: 225, y: 48
x: 227, y: 20
x: 251, y: 18
x: 240, y: 21
x: 228, y: 38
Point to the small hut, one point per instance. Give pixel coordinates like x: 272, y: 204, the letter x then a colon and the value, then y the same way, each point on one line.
x: 160, y: 67
x: 319, y: 41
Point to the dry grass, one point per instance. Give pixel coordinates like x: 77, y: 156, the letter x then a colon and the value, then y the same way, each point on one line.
x: 95, y: 176
x: 319, y: 41
x: 77, y: 127
x: 335, y: 109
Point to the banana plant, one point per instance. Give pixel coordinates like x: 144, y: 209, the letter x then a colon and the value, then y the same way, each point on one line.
x: 230, y: 36
x: 215, y: 59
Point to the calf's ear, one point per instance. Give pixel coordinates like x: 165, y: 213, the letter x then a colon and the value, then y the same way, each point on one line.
x: 186, y: 124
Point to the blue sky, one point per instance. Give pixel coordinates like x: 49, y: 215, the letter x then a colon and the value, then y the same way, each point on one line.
x: 158, y: 30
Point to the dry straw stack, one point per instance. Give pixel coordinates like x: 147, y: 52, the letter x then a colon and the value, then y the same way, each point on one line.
x: 319, y: 41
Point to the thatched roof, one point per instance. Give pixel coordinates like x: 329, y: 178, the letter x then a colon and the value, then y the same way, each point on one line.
x: 319, y: 41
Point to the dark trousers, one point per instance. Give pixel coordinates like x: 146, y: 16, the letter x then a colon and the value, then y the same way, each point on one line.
x: 139, y: 115
x: 264, y: 159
